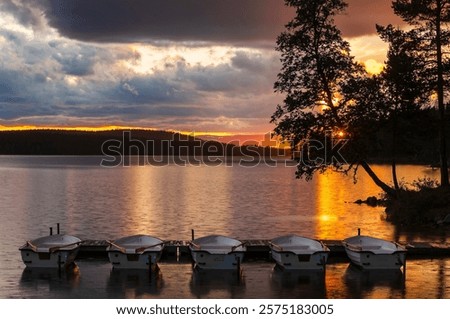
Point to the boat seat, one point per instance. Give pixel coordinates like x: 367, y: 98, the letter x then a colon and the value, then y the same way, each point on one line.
x: 371, y: 247
x: 298, y: 247
x: 207, y: 247
x: 218, y: 249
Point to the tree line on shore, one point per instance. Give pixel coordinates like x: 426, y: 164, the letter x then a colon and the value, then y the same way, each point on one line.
x: 418, y: 143
x: 124, y: 142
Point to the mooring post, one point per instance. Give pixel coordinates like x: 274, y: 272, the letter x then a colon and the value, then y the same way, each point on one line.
x: 359, y: 231
x: 192, y: 234
x: 150, y: 268
x: 51, y: 231
x: 404, y: 271
x: 324, y: 264
x: 238, y: 259
x: 59, y: 264
x: 57, y: 228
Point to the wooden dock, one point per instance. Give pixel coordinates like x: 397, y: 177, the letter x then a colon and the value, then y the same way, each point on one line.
x: 178, y: 250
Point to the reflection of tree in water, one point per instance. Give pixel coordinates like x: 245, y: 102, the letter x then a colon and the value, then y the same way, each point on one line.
x: 309, y: 284
x: 134, y: 283
x: 376, y: 283
x: 442, y: 271
x: 224, y: 283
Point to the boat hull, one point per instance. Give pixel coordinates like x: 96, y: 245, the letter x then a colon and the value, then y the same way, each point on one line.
x: 369, y: 260
x: 54, y: 251
x: 373, y: 253
x: 56, y: 259
x: 135, y: 252
x: 206, y: 260
x: 290, y: 260
x: 296, y: 252
x: 217, y: 252
x: 145, y: 260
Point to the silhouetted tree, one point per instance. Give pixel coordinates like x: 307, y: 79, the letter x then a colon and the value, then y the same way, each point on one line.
x: 328, y: 94
x: 403, y: 86
x: 430, y: 20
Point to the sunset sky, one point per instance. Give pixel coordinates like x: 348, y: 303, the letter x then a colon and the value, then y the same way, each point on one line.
x: 185, y: 65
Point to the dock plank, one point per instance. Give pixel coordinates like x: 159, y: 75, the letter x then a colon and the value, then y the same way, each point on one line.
x: 259, y: 249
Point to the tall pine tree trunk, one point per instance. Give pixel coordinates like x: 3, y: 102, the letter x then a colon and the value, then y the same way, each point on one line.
x: 440, y: 93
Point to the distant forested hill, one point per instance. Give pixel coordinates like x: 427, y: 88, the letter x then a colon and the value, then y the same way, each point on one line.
x: 114, y: 142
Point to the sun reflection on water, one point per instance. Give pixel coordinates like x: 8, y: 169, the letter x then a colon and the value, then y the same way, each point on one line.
x: 337, y: 216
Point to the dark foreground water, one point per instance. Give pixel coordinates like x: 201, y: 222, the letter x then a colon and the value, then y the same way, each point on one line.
x: 252, y: 201
x: 95, y: 279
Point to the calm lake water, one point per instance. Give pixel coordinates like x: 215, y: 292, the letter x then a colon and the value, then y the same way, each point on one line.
x: 247, y: 202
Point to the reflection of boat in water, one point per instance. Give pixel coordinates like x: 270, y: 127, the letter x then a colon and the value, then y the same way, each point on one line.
x: 228, y: 283
x: 293, y: 283
x: 38, y: 278
x: 295, y: 252
x: 52, y: 251
x: 361, y: 282
x: 374, y: 253
x: 132, y: 283
x: 135, y: 252
x: 217, y: 252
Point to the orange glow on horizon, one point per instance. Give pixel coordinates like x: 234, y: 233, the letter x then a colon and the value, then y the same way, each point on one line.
x: 218, y: 134
x: 72, y: 128
x: 200, y: 133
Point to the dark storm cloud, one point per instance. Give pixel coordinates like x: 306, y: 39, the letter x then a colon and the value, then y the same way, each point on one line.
x: 244, y: 22
x: 361, y: 17
x: 230, y: 21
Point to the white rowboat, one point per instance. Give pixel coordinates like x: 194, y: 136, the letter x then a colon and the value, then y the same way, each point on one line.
x: 54, y: 251
x: 217, y: 252
x: 374, y: 253
x: 295, y: 252
x: 135, y: 252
